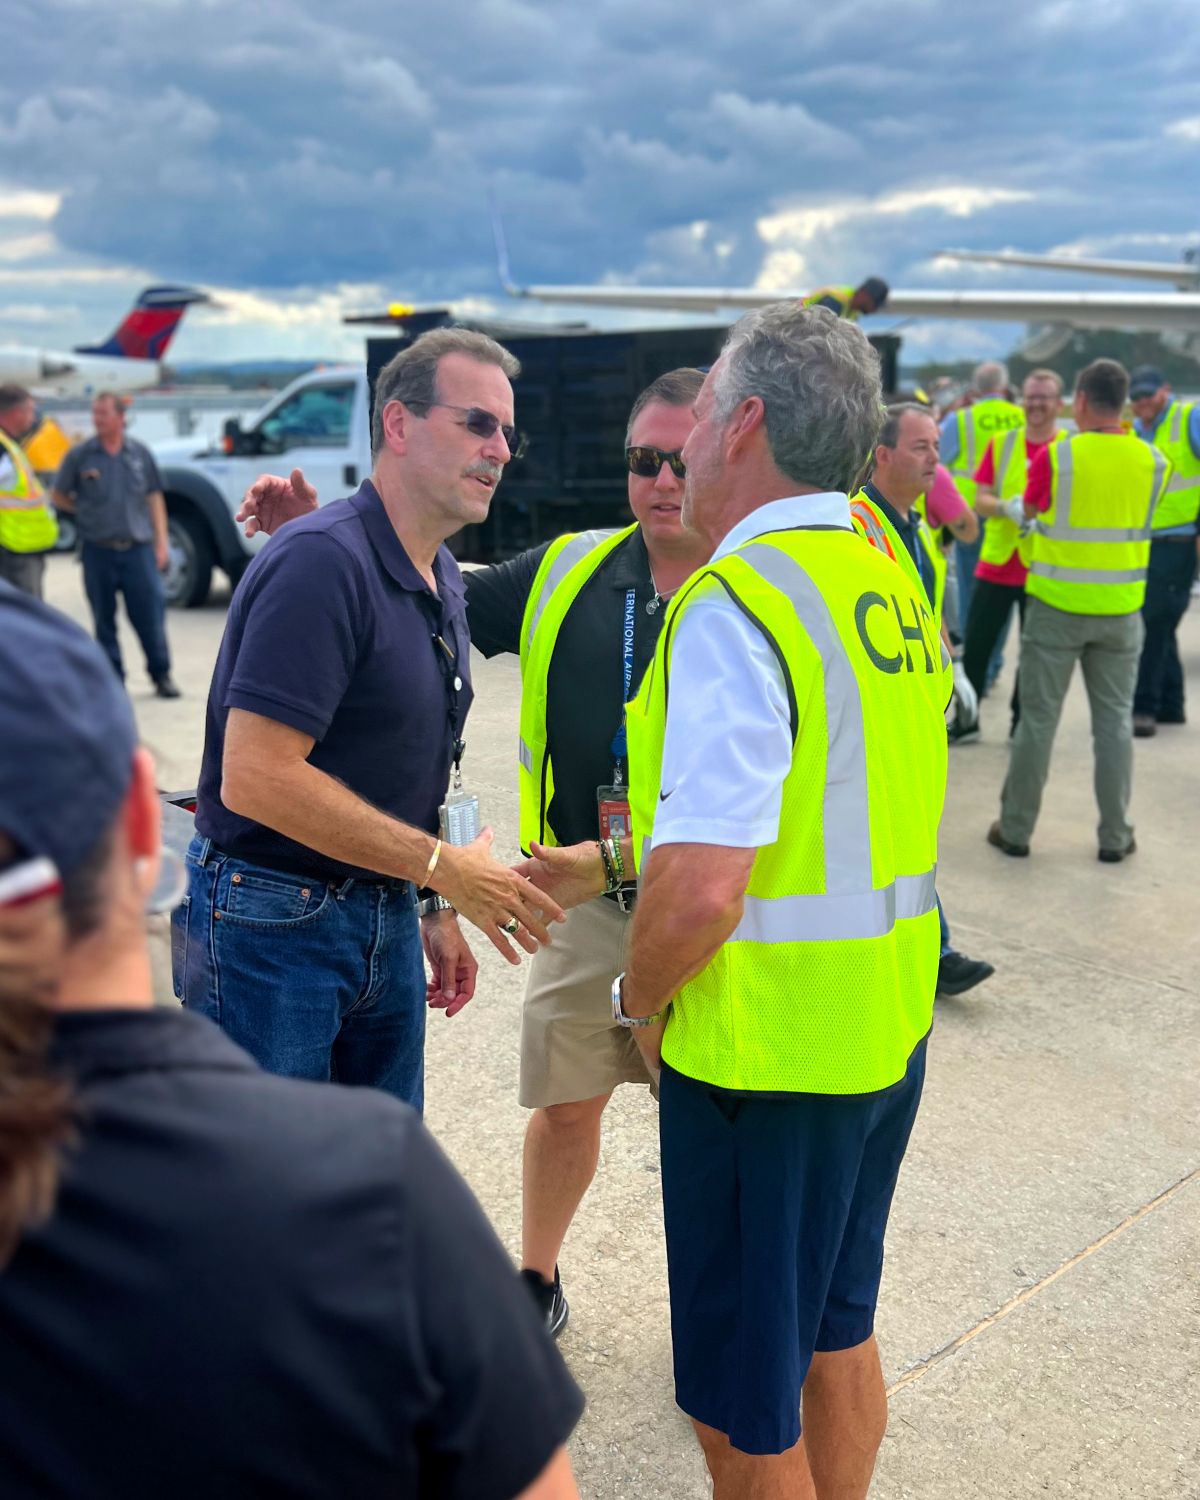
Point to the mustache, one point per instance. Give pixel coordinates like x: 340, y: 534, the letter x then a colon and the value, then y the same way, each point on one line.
x: 485, y: 469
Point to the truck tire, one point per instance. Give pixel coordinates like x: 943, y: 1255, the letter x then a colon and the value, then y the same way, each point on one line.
x: 188, y: 578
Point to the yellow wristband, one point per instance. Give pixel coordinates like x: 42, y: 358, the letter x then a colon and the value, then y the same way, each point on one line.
x: 432, y: 865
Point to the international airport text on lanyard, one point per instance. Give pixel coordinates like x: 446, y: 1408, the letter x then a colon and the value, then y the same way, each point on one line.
x: 459, y: 814
x: 612, y: 802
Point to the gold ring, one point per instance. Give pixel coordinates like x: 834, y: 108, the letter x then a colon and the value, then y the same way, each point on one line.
x: 512, y: 926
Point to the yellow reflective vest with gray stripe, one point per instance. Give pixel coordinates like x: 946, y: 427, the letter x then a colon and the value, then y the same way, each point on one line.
x: 27, y: 523
x: 977, y: 425
x: 1091, y: 547
x: 826, y: 984
x: 869, y: 521
x: 568, y: 564
x: 1010, y: 466
x: 1180, y: 504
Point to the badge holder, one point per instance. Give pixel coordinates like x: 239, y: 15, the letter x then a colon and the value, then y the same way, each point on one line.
x: 458, y: 816
x: 612, y: 807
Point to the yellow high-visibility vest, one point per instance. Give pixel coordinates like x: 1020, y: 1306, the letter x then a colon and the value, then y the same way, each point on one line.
x: 568, y: 563
x: 869, y: 521
x: 977, y: 425
x: 1010, y: 467
x: 1180, y: 503
x: 827, y: 983
x: 1091, y: 547
x: 27, y: 523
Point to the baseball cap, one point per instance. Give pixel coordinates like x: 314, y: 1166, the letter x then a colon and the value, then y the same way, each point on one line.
x: 67, y: 732
x: 1145, y: 380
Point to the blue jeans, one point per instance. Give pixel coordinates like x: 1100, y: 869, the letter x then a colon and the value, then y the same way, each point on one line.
x: 314, y: 979
x: 944, y: 930
x: 134, y: 573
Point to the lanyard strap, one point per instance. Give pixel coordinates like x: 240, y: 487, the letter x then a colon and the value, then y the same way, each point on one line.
x: 448, y: 664
x: 619, y: 740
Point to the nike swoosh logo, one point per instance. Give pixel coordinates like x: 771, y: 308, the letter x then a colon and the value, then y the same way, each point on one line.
x: 662, y: 796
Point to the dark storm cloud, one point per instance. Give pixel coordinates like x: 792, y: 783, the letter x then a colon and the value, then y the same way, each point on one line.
x: 296, y: 144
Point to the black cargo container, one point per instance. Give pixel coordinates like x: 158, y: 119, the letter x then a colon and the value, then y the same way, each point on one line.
x: 573, y: 398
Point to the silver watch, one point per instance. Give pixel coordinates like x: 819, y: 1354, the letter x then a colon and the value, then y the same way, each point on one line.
x: 431, y: 904
x: 619, y: 1015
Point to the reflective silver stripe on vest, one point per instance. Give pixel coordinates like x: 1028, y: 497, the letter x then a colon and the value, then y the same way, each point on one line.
x: 834, y: 919
x: 1087, y: 575
x: 873, y: 528
x: 1093, y: 533
x: 574, y: 551
x: 1006, y: 451
x: 1157, y: 487
x: 1176, y: 421
x: 525, y: 755
x: 1183, y: 482
x: 1061, y: 530
x: 845, y: 812
x: 968, y: 430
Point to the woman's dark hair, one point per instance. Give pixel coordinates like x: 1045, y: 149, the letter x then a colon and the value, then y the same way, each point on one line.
x: 37, y: 1108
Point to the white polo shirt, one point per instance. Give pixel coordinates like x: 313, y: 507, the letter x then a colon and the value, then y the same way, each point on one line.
x: 728, y: 746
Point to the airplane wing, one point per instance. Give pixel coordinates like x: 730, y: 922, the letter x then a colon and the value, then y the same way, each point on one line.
x: 1154, y: 311
x: 1184, y: 274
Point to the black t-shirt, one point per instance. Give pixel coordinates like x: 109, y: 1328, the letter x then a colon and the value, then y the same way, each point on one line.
x: 586, y: 680
x: 254, y: 1287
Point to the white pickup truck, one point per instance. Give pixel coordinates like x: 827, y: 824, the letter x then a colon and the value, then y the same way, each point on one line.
x: 320, y: 423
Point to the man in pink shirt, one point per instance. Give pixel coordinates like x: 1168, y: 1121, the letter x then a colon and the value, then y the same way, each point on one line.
x: 1000, y: 574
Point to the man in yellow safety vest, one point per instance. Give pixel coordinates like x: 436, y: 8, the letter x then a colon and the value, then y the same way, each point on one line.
x: 1092, y: 498
x: 28, y: 529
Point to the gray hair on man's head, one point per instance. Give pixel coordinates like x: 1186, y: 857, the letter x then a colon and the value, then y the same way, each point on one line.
x: 818, y: 379
x: 411, y: 376
x: 990, y: 378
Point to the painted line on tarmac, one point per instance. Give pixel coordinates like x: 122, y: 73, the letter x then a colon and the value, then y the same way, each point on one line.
x: 1027, y: 1294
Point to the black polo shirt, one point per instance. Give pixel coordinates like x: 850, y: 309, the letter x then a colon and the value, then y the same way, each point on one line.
x: 584, y: 688
x: 331, y: 631
x: 252, y: 1286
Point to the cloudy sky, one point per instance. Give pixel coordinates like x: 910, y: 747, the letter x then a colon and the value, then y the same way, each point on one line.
x: 301, y: 159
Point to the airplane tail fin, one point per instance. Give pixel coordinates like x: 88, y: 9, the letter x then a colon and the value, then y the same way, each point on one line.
x: 149, y: 326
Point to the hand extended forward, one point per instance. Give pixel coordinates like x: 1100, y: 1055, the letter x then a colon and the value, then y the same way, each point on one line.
x: 271, y: 500
x: 490, y: 895
x: 571, y: 874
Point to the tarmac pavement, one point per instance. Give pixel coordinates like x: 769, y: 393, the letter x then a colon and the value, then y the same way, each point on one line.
x: 1040, y: 1318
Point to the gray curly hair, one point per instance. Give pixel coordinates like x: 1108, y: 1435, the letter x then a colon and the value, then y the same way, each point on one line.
x: 818, y: 379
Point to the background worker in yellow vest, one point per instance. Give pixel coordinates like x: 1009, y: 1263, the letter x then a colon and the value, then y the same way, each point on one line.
x: 1092, y: 497
x: 965, y: 434
x: 999, y: 499
x: 28, y: 529
x: 851, y: 302
x: 784, y: 949
x: 906, y: 457
x: 1174, y: 427
x: 584, y: 613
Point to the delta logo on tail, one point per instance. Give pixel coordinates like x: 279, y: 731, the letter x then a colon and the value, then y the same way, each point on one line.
x: 148, y: 328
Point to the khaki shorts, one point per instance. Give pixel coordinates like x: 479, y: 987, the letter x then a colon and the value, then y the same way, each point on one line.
x: 571, y: 1048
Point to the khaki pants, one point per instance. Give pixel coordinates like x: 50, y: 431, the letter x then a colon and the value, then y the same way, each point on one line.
x: 571, y: 1048
x: 1107, y: 648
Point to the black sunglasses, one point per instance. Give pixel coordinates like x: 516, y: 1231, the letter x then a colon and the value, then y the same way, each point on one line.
x: 647, y: 462
x: 484, y: 425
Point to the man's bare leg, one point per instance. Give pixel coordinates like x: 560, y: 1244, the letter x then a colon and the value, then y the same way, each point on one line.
x: 754, y: 1476
x: 562, y: 1148
x: 845, y: 1417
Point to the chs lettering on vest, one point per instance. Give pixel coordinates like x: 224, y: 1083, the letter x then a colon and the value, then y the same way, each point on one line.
x: 911, y: 631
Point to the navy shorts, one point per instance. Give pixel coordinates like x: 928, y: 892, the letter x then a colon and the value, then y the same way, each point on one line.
x: 775, y: 1212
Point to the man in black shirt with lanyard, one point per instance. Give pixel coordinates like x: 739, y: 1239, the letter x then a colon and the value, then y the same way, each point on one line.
x: 569, y: 609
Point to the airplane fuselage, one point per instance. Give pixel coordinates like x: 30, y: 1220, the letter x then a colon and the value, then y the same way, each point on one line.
x: 62, y: 372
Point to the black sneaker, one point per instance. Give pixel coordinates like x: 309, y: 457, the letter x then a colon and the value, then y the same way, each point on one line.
x: 1115, y: 856
x: 962, y: 734
x: 957, y: 973
x: 551, y: 1303
x: 165, y: 687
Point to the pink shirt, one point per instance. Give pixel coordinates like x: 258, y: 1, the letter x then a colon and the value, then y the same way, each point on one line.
x: 943, y: 503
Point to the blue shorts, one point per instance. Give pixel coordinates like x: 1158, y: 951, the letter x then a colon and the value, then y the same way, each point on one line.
x: 775, y: 1212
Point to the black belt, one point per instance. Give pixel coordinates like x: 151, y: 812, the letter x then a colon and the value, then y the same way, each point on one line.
x: 339, y: 882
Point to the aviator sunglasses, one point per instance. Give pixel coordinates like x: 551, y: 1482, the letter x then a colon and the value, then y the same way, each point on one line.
x: 647, y: 462
x: 483, y: 424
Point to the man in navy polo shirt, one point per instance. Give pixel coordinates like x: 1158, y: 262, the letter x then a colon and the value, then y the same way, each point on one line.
x: 336, y: 711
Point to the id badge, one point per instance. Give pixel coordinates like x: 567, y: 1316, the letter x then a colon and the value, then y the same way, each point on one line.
x: 612, y: 804
x: 459, y: 817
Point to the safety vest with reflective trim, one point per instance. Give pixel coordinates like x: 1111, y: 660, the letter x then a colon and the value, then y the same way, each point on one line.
x: 869, y: 521
x: 843, y: 294
x: 567, y: 565
x: 977, y: 426
x: 1091, y: 547
x: 1010, y: 470
x: 27, y: 523
x: 827, y: 982
x: 1180, y: 503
